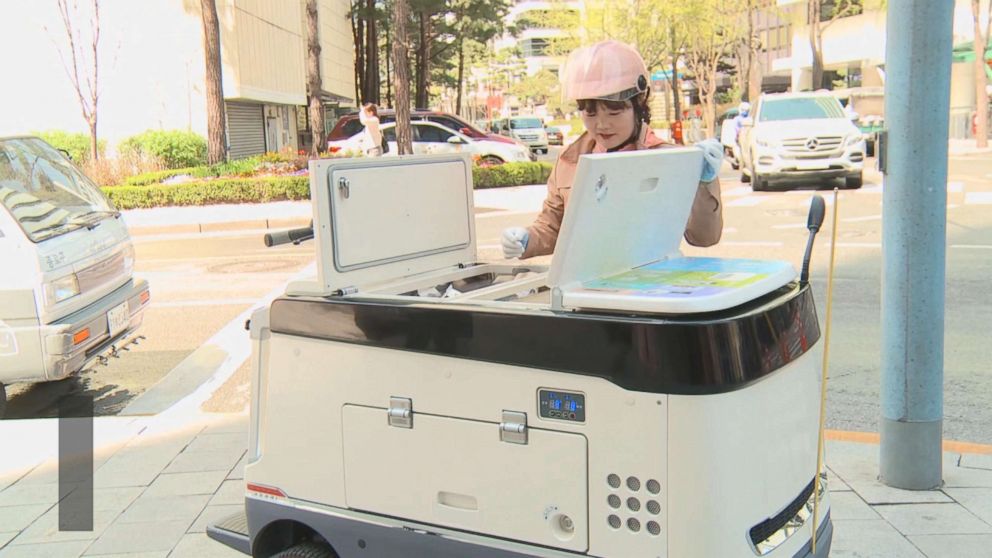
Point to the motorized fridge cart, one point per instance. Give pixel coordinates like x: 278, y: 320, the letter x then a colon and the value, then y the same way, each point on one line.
x: 623, y: 402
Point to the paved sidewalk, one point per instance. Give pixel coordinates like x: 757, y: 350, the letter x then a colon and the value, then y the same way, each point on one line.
x: 159, y: 486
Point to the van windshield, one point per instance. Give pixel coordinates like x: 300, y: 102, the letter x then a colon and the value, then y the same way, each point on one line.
x: 525, y: 123
x: 45, y: 192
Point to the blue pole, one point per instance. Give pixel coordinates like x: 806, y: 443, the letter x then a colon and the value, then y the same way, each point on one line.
x: 917, y: 108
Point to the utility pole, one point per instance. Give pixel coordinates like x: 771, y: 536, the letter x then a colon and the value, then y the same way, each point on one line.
x: 914, y: 233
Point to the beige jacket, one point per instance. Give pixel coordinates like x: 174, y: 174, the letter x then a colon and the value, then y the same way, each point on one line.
x: 705, y: 222
x: 373, y: 136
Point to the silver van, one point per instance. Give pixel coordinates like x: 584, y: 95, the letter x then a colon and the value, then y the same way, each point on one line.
x: 528, y: 130
x: 67, y: 294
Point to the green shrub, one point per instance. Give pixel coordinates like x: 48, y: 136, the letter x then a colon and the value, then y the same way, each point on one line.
x: 76, y: 144
x: 175, y: 148
x: 236, y: 190
x: 511, y: 174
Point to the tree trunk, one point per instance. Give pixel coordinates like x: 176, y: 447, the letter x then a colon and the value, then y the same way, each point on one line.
x: 216, y: 129
x: 461, y: 75
x: 423, y: 61
x: 371, y: 55
x: 357, y: 33
x: 389, y: 78
x: 676, y: 94
x: 815, y: 43
x: 981, y: 79
x: 404, y: 133
x: 315, y: 110
x: 94, y: 147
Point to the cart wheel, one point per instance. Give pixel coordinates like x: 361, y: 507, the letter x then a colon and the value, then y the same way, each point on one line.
x: 307, y: 550
x: 3, y: 400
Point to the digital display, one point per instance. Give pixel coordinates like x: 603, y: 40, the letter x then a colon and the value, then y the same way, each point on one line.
x: 562, y: 405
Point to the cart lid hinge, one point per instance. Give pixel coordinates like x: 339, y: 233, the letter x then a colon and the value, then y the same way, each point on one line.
x: 400, y: 412
x: 346, y: 291
x: 513, y: 427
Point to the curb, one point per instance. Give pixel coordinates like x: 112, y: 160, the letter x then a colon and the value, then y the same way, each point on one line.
x: 227, y: 226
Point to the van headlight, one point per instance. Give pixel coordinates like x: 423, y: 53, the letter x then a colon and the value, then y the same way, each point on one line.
x: 61, y: 289
x: 854, y: 139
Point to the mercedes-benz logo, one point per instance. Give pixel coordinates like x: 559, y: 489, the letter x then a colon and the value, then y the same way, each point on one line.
x: 812, y: 144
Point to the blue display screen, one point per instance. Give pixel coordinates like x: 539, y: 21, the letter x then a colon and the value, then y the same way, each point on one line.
x: 562, y: 405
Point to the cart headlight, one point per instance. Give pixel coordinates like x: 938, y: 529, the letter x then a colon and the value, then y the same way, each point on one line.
x: 61, y: 289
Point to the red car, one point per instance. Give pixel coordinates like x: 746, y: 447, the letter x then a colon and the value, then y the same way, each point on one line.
x: 349, y: 125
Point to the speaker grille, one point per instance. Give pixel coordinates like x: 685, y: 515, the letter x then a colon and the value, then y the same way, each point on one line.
x: 654, y: 508
x: 654, y: 528
x: 633, y: 504
x: 613, y: 481
x: 614, y: 501
x: 633, y: 524
x: 627, y: 509
x: 614, y: 521
x: 633, y: 483
x: 654, y: 487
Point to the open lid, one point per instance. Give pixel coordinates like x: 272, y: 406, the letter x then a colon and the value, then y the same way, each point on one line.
x: 383, y: 218
x: 626, y: 210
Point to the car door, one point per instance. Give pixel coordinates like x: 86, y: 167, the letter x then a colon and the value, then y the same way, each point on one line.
x: 432, y: 139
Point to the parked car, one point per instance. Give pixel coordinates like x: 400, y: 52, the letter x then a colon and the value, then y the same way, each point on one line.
x: 67, y: 293
x: 429, y: 138
x: 555, y: 137
x: 866, y: 107
x: 349, y: 125
x: 528, y: 130
x: 800, y: 137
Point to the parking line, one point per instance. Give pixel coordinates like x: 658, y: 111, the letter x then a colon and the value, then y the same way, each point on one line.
x: 860, y: 219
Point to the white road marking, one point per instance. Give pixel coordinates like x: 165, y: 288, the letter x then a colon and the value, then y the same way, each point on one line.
x: 746, y: 202
x: 738, y: 191
x: 978, y: 198
x: 207, y: 302
x: 955, y: 186
x: 972, y: 246
x: 860, y: 219
x: 752, y: 243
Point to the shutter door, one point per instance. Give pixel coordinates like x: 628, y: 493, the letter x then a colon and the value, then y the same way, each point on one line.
x: 245, y: 130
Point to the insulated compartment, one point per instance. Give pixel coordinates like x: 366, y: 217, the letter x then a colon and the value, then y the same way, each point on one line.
x: 459, y: 473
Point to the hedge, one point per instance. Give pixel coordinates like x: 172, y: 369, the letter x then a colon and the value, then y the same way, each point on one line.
x: 234, y: 190
x: 174, y: 148
x: 76, y: 144
x: 267, y: 189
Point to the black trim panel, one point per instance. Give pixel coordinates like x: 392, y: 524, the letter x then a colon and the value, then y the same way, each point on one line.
x: 694, y: 355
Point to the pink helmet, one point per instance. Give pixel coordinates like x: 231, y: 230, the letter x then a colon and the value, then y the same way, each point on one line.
x: 608, y: 70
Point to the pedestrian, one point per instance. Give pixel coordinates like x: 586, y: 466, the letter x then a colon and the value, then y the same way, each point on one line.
x: 609, y: 82
x: 369, y: 117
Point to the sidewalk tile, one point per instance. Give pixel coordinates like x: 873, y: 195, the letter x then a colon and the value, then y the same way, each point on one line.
x: 70, y: 549
x: 200, y: 461
x: 122, y: 538
x: 835, y: 483
x: 46, y: 529
x: 179, y: 484
x: 953, y: 546
x: 976, y: 500
x: 219, y: 442
x: 198, y: 545
x: 238, y: 472
x: 147, y: 509
x: 966, y: 477
x: 18, y: 495
x: 933, y: 519
x: 848, y: 505
x: 230, y: 492
x: 236, y: 424
x: 17, y: 518
x: 162, y: 554
x: 114, y: 499
x: 976, y: 461
x: 7, y: 537
x: 870, y: 538
x: 213, y: 514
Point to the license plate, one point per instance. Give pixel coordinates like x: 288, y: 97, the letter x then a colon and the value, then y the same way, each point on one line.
x: 812, y: 166
x: 118, y: 318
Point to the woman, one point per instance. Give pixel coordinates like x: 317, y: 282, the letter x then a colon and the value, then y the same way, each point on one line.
x: 369, y: 117
x: 609, y: 81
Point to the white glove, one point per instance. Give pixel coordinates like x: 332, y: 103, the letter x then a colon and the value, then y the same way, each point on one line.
x: 514, y: 242
x: 712, y: 159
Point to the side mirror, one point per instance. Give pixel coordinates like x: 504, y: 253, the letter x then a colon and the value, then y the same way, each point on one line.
x: 456, y: 140
x: 854, y: 116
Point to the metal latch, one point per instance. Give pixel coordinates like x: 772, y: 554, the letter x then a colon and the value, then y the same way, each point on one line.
x: 344, y: 186
x: 882, y: 151
x: 513, y: 428
x: 400, y: 412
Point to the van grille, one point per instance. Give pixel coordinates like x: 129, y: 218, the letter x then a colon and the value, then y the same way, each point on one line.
x: 813, y: 144
x: 102, y: 272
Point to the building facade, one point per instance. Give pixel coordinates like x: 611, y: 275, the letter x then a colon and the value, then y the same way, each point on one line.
x: 152, y: 70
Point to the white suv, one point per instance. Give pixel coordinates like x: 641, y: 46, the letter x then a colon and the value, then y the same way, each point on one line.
x: 800, y: 137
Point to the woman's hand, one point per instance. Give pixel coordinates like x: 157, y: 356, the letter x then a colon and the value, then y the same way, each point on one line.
x: 514, y: 242
x: 712, y: 159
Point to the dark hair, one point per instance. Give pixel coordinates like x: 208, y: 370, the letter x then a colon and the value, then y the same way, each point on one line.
x: 642, y: 110
x: 373, y: 109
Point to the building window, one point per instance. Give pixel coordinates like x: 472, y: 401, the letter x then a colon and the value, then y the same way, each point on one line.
x: 534, y: 47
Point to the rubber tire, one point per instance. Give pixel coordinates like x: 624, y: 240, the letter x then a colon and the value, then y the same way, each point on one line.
x: 745, y: 178
x: 490, y: 161
x: 759, y: 184
x: 3, y: 400
x: 853, y: 182
x: 735, y: 165
x: 307, y: 550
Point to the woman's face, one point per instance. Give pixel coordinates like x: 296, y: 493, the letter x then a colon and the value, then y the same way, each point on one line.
x: 611, y: 126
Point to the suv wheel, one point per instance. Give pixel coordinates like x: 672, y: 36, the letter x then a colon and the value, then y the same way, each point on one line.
x: 490, y: 161
x: 853, y: 181
x: 759, y: 184
x: 745, y: 177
